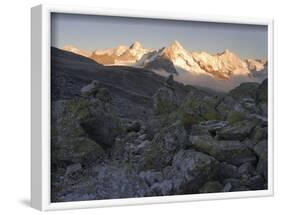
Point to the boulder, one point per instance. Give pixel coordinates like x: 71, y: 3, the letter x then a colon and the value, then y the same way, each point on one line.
x: 70, y: 143
x: 235, y: 184
x: 103, y: 95
x: 246, y: 169
x: 262, y: 92
x: 163, y: 188
x: 98, y: 122
x: 235, y: 116
x: 228, y: 171
x: 259, y: 133
x: 78, y: 149
x: 90, y: 89
x: 133, y: 126
x: 151, y: 177
x: 102, y: 127
x: 228, y: 104
x: 202, y: 107
x: 256, y: 183
x: 211, y: 187
x: 170, y: 80
x: 165, y: 101
x: 261, y: 149
x: 118, y: 181
x: 213, y: 125
x: 191, y: 170
x: 233, y: 152
x: 73, y: 172
x: 165, y: 144
x: 107, y: 181
x: 227, y: 187
x: 175, y: 137
x: 238, y: 131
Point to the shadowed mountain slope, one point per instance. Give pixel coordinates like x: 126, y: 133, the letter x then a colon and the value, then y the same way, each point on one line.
x: 131, y: 88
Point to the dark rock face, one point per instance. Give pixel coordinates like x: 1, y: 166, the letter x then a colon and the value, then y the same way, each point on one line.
x: 122, y: 132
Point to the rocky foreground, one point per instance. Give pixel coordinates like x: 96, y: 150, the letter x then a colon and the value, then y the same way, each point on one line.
x: 181, y: 141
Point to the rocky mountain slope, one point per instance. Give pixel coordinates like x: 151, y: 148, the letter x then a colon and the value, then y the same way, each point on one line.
x: 121, y: 132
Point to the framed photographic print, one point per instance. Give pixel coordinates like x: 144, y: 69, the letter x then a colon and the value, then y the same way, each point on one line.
x: 139, y: 107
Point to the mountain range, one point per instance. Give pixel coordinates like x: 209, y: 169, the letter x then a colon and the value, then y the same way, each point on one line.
x: 222, y: 71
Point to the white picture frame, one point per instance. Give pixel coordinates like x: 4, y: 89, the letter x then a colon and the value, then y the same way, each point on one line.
x: 40, y: 66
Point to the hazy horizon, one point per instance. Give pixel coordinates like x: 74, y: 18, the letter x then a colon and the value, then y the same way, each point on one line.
x: 90, y: 32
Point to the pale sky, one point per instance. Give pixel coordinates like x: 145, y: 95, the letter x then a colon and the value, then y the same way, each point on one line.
x: 90, y: 32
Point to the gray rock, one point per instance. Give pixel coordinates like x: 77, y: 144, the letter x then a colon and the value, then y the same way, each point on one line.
x: 236, y: 184
x: 213, y: 125
x: 233, y: 152
x: 90, y: 89
x: 246, y: 169
x: 175, y: 137
x: 73, y: 172
x: 142, y: 137
x: 165, y: 101
x: 103, y: 95
x: 250, y: 105
x: 102, y: 127
x: 163, y: 189
x: 151, y: 177
x: 261, y: 149
x: 192, y: 169
x: 133, y: 126
x: 211, y: 187
x: 228, y: 171
x: 118, y: 182
x: 227, y: 187
x: 259, y: 133
x: 70, y: 142
x: 170, y: 80
x: 160, y: 152
x: 73, y: 168
x: 141, y: 147
x: 108, y: 181
x: 228, y: 104
x: 238, y: 131
x: 256, y: 183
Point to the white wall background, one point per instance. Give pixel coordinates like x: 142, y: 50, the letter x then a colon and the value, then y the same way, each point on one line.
x: 15, y: 105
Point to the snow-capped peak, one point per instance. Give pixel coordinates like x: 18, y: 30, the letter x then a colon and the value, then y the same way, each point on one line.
x: 176, y: 45
x: 73, y: 49
x: 136, y: 45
